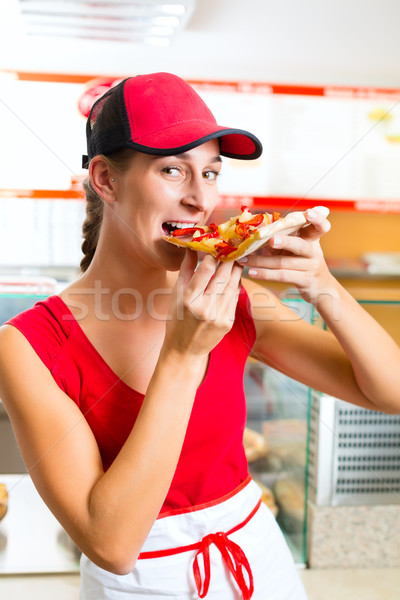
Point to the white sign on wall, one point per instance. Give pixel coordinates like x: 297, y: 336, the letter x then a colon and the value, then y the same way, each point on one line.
x: 35, y: 233
x: 43, y: 134
x: 333, y: 145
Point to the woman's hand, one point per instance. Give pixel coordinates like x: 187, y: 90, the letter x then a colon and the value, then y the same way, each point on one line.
x: 203, y: 304
x: 295, y: 259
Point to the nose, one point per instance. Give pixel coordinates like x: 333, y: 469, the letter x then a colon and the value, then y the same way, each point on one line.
x: 199, y: 195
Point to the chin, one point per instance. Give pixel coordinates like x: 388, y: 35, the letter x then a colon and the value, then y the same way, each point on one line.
x: 170, y: 256
x: 175, y: 262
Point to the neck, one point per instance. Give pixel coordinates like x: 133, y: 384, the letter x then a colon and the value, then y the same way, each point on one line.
x: 115, y: 286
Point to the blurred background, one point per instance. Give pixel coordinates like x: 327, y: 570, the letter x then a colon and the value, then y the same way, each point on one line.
x: 353, y: 42
x: 319, y: 82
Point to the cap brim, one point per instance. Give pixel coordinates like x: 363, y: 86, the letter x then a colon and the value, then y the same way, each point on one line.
x: 234, y: 143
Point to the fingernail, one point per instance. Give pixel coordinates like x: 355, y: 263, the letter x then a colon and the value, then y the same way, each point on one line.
x: 244, y: 259
x: 311, y: 214
x: 277, y: 241
x: 253, y: 272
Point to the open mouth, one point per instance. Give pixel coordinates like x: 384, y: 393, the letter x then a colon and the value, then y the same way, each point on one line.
x: 169, y: 226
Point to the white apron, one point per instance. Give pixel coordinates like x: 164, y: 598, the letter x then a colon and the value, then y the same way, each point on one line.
x: 231, y: 549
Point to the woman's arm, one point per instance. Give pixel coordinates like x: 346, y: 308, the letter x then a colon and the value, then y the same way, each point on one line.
x: 109, y: 515
x: 356, y: 361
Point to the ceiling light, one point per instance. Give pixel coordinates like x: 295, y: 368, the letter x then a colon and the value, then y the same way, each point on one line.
x: 144, y: 21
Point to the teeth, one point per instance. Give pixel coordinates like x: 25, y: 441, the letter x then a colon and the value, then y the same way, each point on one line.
x: 180, y: 225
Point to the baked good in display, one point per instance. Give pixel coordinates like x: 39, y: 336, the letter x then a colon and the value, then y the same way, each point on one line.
x: 267, y: 497
x: 239, y: 236
x: 290, y: 498
x: 255, y: 445
x: 3, y: 500
x: 287, y: 440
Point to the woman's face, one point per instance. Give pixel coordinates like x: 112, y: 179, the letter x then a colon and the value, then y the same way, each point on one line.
x: 158, y: 193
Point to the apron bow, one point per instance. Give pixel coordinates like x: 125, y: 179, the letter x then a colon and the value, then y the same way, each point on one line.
x: 234, y: 558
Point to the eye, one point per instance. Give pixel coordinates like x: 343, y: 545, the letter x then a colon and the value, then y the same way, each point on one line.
x: 211, y: 175
x: 173, y: 172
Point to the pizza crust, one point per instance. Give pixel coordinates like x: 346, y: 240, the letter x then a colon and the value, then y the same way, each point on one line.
x: 288, y: 225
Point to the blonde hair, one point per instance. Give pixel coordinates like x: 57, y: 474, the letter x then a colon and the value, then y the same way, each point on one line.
x: 119, y: 162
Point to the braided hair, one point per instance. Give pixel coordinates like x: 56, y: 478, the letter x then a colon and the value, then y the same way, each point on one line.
x: 118, y: 161
x: 91, y: 225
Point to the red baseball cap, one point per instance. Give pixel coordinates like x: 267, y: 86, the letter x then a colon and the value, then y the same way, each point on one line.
x: 160, y: 114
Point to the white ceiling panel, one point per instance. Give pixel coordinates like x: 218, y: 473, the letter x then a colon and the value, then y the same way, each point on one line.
x: 309, y: 41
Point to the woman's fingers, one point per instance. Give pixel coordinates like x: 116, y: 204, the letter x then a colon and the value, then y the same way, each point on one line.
x: 305, y: 244
x: 213, y: 277
x: 281, y: 261
x: 204, y: 304
x: 220, y: 297
x: 295, y: 260
x: 202, y: 276
x: 291, y: 276
x: 279, y: 246
x: 319, y: 225
x: 222, y: 278
x: 188, y: 267
x: 209, y: 290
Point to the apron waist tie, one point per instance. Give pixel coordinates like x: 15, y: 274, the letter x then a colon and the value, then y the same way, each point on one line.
x: 235, y: 559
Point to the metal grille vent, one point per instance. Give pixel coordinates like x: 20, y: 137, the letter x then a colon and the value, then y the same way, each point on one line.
x: 354, y: 454
x: 148, y: 21
x: 368, y: 453
x: 313, y: 452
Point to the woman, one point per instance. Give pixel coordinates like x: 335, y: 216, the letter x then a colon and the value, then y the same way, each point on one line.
x: 130, y: 413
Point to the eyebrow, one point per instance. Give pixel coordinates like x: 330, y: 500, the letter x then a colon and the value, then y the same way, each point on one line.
x: 186, y: 156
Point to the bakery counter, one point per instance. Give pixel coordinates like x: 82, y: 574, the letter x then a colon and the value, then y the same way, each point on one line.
x: 320, y: 584
x: 347, y: 584
x: 39, y: 587
x: 31, y: 539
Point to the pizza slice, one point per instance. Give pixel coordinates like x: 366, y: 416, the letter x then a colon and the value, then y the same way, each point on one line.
x: 240, y: 235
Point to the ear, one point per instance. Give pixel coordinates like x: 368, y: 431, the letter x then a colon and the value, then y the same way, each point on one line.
x: 102, y: 181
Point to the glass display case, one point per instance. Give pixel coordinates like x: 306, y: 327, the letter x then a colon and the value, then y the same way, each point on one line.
x: 276, y: 441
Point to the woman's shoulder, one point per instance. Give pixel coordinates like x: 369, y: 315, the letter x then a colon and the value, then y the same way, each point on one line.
x: 46, y: 326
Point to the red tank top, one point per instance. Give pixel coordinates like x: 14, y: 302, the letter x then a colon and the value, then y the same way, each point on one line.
x: 212, y: 462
